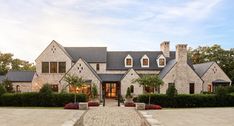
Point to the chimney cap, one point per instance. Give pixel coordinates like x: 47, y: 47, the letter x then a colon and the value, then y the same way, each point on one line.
x: 181, y: 45
x: 165, y: 42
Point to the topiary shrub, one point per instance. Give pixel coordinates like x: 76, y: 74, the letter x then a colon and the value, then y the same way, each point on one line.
x: 221, y: 91
x: 2, y: 90
x: 46, y: 89
x: 128, y: 93
x: 171, y: 91
x: 94, y: 92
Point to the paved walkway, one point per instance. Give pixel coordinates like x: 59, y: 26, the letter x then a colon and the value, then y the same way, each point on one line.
x: 37, y: 117
x: 112, y: 116
x: 195, y: 117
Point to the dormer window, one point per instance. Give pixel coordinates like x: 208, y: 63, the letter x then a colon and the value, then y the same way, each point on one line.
x: 128, y: 61
x: 145, y: 61
x: 161, y: 61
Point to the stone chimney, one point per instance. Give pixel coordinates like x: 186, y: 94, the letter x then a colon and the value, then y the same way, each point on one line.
x: 165, y: 48
x: 181, y: 53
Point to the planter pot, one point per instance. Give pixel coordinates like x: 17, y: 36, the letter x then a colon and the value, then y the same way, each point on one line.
x: 128, y: 100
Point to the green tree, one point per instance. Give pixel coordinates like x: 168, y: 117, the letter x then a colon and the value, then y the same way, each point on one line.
x: 7, y: 62
x: 171, y: 91
x: 46, y: 89
x: 152, y: 81
x: 2, y: 89
x: 94, y: 91
x: 224, y: 58
x: 74, y: 81
x: 8, y: 86
x: 128, y: 93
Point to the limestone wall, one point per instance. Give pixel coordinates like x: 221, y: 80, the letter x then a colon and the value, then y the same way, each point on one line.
x: 23, y: 86
x: 127, y: 82
x: 212, y: 74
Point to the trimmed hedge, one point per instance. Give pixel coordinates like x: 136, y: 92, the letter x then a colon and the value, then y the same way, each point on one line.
x: 188, y: 101
x: 39, y: 100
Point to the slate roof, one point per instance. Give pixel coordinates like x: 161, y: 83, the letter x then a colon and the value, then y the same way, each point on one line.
x: 167, y: 68
x: 2, y: 78
x: 218, y: 81
x: 201, y: 69
x: 89, y: 54
x: 115, y: 59
x: 20, y: 76
x: 111, y: 77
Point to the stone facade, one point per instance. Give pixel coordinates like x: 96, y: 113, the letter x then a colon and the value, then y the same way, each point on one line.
x: 53, y: 53
x: 181, y: 74
x: 22, y: 86
x: 81, y: 69
x: 212, y: 74
x: 127, y: 82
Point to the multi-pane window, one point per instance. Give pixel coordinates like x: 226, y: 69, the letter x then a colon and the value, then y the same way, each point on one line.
x: 161, y: 61
x: 97, y: 67
x: 62, y: 67
x: 45, y: 67
x: 145, y: 62
x: 53, y: 67
x: 191, y: 88
x: 171, y: 84
x: 129, y: 62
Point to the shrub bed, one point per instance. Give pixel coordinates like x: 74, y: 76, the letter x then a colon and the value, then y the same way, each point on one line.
x: 38, y: 99
x: 188, y: 101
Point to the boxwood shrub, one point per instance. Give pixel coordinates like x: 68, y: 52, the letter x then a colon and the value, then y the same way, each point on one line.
x: 188, y: 101
x: 38, y: 99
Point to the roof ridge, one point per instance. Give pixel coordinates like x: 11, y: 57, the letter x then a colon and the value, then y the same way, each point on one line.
x: 204, y: 63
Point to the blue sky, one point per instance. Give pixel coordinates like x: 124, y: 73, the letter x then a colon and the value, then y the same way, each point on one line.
x: 28, y: 26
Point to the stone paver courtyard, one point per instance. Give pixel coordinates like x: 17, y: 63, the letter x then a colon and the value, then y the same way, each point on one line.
x: 112, y: 116
x: 195, y: 117
x: 37, y: 117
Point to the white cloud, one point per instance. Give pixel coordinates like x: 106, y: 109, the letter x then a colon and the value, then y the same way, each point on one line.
x: 28, y: 27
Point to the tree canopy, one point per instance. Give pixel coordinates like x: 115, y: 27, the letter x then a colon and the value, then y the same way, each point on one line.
x: 7, y: 62
x: 224, y: 58
x: 149, y: 81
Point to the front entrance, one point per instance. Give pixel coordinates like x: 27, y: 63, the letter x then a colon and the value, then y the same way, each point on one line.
x: 110, y: 90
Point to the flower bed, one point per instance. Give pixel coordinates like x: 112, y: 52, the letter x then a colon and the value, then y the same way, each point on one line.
x: 93, y: 104
x: 152, y: 107
x: 129, y: 104
x: 72, y: 106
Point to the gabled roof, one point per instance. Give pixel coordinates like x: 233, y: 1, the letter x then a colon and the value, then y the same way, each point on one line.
x: 2, y: 78
x: 167, y: 68
x: 89, y: 54
x: 20, y: 76
x: 110, y: 77
x: 115, y: 59
x: 201, y: 68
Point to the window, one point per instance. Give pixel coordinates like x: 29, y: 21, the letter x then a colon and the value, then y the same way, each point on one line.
x: 161, y: 61
x: 171, y: 84
x: 145, y: 62
x: 62, y: 67
x: 129, y: 62
x: 209, y: 88
x: 18, y: 88
x: 191, y: 88
x: 132, y: 89
x: 45, y: 67
x: 97, y: 67
x: 53, y: 67
x: 54, y: 87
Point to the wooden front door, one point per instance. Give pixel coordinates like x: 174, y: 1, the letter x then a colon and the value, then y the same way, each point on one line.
x: 110, y: 90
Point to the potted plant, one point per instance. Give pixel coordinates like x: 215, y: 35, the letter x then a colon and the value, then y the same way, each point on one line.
x: 128, y: 96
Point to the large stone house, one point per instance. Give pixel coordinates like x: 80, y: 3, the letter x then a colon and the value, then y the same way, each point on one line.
x: 113, y: 71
